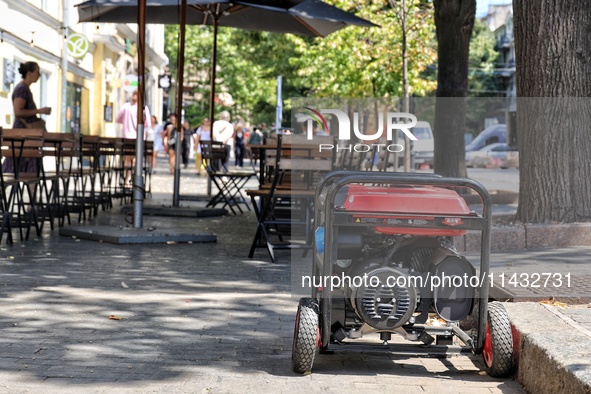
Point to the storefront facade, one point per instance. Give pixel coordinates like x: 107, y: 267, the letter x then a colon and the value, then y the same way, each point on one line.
x: 100, y: 65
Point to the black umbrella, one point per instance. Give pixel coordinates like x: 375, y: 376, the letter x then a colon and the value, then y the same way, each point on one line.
x: 306, y: 17
x: 302, y: 17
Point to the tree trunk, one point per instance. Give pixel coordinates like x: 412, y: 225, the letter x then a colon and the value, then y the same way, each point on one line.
x: 553, y: 55
x: 454, y: 20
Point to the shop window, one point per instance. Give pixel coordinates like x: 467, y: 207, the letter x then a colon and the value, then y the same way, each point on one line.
x: 8, y: 75
x: 73, y: 107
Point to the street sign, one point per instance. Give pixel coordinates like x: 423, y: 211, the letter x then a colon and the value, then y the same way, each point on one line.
x: 78, y: 45
x: 164, y: 81
x: 130, y: 84
x: 108, y: 112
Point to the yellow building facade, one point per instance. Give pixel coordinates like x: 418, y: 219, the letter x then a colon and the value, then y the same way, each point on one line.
x: 100, y: 65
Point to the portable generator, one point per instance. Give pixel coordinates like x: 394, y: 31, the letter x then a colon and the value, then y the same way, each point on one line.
x: 385, y: 263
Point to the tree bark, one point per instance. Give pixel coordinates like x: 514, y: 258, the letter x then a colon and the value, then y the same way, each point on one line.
x: 553, y: 56
x: 454, y: 20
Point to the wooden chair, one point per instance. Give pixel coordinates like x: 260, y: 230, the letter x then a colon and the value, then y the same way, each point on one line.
x: 64, y: 149
x: 106, y: 162
x: 6, y: 190
x: 124, y: 169
x: 353, y: 160
x: 25, y: 191
x: 285, y: 205
x: 229, y: 183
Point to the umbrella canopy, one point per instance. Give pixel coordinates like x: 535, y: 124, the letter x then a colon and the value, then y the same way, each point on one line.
x: 302, y: 17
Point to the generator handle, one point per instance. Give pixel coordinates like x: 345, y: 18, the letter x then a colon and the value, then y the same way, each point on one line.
x: 334, y: 181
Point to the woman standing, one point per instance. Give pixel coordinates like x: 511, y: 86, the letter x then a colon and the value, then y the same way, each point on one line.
x: 203, y: 133
x: 158, y: 130
x: 239, y: 145
x: 25, y: 111
x: 170, y: 141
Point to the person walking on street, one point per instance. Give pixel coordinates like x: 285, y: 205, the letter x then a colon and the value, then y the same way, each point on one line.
x: 158, y: 141
x: 186, y: 142
x: 255, y: 138
x: 203, y: 133
x: 223, y: 131
x: 127, y: 117
x: 239, y: 145
x: 170, y: 140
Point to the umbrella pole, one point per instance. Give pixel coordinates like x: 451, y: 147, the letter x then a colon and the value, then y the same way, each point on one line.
x: 214, y: 60
x: 138, y: 184
x: 179, y: 125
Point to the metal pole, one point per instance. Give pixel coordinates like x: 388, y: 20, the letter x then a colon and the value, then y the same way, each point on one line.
x: 214, y: 60
x: 214, y: 56
x: 408, y: 165
x: 179, y: 106
x: 64, y: 119
x: 138, y: 183
x: 279, y: 107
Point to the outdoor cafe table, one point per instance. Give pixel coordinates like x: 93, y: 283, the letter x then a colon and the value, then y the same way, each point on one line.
x: 285, y: 147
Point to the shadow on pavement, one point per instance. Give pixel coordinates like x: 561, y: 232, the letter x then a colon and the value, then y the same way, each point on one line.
x: 91, y: 314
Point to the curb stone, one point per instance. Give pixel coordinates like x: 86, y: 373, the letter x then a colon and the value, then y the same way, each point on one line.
x: 545, y: 346
x: 529, y: 236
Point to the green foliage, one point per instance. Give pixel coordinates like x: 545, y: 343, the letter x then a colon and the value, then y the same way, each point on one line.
x: 352, y: 62
x: 236, y: 76
x: 367, y: 62
x: 195, y: 114
x: 482, y: 79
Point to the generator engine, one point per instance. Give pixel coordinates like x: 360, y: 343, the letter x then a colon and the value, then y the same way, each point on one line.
x: 395, y: 276
x: 422, y: 275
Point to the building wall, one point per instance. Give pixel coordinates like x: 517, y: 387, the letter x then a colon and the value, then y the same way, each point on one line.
x: 32, y: 30
x: 500, y: 20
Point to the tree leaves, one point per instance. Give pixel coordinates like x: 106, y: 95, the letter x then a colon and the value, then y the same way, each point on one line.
x: 352, y: 62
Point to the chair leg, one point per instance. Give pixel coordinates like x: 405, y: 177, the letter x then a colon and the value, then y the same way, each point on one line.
x: 33, y: 214
x: 221, y: 195
x: 6, y: 216
x: 236, y: 196
x: 21, y: 212
x: 255, y: 241
x: 230, y: 192
x: 262, y: 236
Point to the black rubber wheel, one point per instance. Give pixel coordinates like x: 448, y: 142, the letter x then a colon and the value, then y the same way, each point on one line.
x: 498, y: 342
x: 305, y: 336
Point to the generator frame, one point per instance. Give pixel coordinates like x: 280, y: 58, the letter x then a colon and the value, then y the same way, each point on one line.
x: 332, y: 218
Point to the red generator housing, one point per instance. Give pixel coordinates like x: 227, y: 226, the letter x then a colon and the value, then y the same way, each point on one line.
x: 385, y: 263
x: 413, y: 203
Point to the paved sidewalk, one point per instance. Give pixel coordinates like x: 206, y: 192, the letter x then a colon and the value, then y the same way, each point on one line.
x: 82, y: 316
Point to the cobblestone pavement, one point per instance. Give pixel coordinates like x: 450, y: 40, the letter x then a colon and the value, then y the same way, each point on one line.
x: 82, y: 316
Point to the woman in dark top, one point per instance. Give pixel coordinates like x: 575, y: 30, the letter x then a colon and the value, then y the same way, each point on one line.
x: 25, y: 110
x: 22, y: 98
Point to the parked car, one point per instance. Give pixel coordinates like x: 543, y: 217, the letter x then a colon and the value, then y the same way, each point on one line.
x: 468, y: 138
x: 423, y: 147
x: 497, y: 155
x: 490, y: 135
